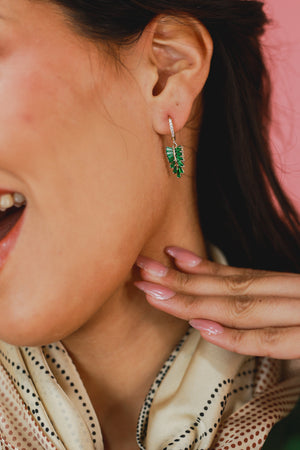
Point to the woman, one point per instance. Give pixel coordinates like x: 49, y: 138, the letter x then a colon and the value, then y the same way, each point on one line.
x: 137, y: 132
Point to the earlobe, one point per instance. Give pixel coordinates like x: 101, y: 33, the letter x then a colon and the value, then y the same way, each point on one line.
x: 181, y: 55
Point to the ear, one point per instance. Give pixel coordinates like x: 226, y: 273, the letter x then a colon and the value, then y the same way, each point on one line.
x: 180, y: 51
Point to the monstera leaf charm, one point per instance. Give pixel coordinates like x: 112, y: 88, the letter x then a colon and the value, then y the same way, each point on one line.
x: 175, y: 156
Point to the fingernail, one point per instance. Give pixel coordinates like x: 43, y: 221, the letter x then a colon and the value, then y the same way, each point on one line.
x: 159, y: 292
x: 207, y: 326
x: 153, y: 267
x: 187, y: 257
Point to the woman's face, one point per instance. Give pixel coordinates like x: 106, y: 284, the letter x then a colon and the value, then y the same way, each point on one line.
x: 75, y: 141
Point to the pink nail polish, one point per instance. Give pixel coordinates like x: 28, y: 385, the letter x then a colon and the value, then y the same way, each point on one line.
x: 187, y: 257
x: 153, y: 267
x: 207, y: 326
x: 159, y: 292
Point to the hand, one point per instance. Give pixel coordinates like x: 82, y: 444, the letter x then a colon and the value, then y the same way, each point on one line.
x: 247, y: 311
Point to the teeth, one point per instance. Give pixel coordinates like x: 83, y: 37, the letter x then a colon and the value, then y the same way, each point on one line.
x: 19, y: 199
x: 9, y: 200
x: 6, y: 201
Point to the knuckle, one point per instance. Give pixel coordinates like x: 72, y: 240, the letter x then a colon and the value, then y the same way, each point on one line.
x: 191, y: 306
x: 239, y: 283
x: 182, y: 280
x: 241, y: 305
x: 236, y: 341
x: 269, y: 338
x: 214, y: 269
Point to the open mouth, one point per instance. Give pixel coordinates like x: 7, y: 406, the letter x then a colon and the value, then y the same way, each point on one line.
x: 9, y: 218
x: 12, y: 206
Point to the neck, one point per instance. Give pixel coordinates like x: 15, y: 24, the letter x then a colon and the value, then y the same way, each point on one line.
x: 121, y: 349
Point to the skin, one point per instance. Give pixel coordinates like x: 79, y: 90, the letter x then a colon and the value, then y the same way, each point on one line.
x: 88, y: 156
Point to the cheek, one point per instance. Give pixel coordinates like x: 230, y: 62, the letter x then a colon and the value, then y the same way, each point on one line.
x: 92, y: 198
x: 34, y: 101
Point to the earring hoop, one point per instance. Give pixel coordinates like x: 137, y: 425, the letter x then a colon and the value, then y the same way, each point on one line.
x: 175, y: 154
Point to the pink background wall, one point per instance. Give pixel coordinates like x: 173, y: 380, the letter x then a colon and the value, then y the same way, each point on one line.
x: 283, y: 49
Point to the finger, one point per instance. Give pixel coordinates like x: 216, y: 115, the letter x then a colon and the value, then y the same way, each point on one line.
x: 234, y: 312
x: 279, y: 343
x: 188, y: 261
x: 243, y: 282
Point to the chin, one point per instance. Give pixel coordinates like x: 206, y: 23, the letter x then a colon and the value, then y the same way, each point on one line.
x: 31, y: 338
x: 31, y: 332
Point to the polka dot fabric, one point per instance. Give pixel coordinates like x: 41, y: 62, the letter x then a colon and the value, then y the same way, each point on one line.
x: 233, y: 411
x: 58, y: 361
x: 249, y: 427
x: 43, y: 404
x: 18, y: 428
x: 144, y: 414
x: 203, y: 398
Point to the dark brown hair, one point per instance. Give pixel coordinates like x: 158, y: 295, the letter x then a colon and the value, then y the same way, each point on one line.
x: 242, y: 206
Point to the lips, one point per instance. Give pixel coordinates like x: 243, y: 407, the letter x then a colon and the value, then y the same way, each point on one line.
x: 10, y: 226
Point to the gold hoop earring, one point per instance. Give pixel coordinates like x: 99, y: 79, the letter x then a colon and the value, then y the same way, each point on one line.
x: 175, y: 154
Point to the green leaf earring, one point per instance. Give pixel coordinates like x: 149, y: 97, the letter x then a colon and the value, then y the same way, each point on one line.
x: 175, y: 154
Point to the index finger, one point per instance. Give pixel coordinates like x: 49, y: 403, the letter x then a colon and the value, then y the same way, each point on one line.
x: 190, y: 262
